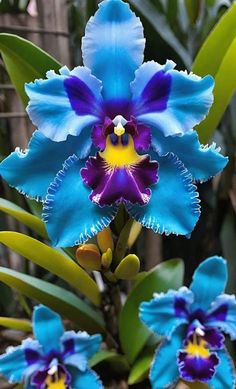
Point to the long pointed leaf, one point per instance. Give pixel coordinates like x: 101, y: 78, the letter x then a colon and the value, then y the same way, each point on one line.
x: 217, y: 57
x: 52, y: 260
x: 31, y: 221
x: 55, y: 297
x: 16, y: 324
x: 24, y: 61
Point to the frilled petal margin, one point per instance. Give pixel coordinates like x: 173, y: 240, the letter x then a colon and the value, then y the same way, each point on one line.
x: 223, y: 315
x: 17, y: 365
x: 64, y: 103
x: 225, y: 372
x: 171, y: 101
x: 81, y: 347
x: 49, y: 339
x: 166, y: 311
x: 203, y: 162
x: 203, y: 295
x: 174, y: 205
x: 31, y: 171
x: 71, y: 218
x: 164, y: 370
x: 84, y: 380
x: 113, y: 47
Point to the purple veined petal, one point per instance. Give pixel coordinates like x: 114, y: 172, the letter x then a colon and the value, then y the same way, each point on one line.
x: 196, y: 368
x: 222, y: 315
x: 170, y: 101
x: 65, y: 103
x: 167, y: 311
x: 79, y: 347
x: 116, y: 184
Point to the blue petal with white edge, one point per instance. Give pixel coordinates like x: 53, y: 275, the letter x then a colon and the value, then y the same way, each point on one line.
x: 166, y: 311
x: 14, y: 365
x: 223, y: 315
x: 203, y: 162
x: 164, y: 370
x: 31, y: 171
x: 71, y: 218
x: 47, y: 328
x: 171, y: 101
x: 213, y: 272
x: 81, y: 348
x: 174, y: 205
x: 113, y: 47
x: 84, y: 380
x: 64, y: 103
x: 224, y: 377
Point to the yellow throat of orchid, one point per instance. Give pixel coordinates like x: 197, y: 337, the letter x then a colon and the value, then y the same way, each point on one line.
x: 56, y: 382
x: 198, y: 347
x: 120, y: 155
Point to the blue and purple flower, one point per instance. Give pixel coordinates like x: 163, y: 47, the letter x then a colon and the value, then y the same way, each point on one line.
x: 55, y: 360
x: 115, y: 131
x: 193, y: 322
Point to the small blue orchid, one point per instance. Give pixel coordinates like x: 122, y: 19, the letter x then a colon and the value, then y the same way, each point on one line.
x: 55, y: 360
x: 115, y: 131
x: 192, y: 322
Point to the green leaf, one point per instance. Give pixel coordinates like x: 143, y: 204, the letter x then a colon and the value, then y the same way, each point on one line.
x: 102, y: 356
x: 140, y: 369
x: 31, y: 221
x: 133, y: 333
x: 158, y: 22
x: 193, y: 9
x: 56, y: 298
x: 220, y: 46
x: 52, y: 260
x: 16, y: 324
x: 118, y: 363
x: 24, y: 61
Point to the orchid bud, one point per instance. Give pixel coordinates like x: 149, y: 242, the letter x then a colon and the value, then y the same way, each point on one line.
x: 107, y: 259
x: 128, y: 268
x: 89, y: 257
x: 105, y: 240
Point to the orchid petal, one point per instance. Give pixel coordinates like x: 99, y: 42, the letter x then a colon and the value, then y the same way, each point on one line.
x: 31, y: 171
x: 222, y: 315
x: 225, y: 373
x: 79, y: 348
x: 172, y: 102
x: 113, y: 47
x: 64, y: 103
x: 164, y: 370
x: 16, y: 364
x: 203, y: 294
x: 47, y: 328
x: 202, y: 162
x: 71, y: 218
x: 174, y: 204
x: 84, y: 380
x: 166, y: 311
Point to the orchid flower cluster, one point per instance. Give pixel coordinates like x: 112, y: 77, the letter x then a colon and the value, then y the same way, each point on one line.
x: 120, y: 131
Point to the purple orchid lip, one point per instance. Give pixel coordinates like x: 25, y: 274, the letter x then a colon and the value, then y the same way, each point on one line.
x: 198, y: 360
x: 196, y: 368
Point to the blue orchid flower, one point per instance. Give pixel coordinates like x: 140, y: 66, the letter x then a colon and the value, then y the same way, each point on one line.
x: 193, y: 322
x: 55, y: 360
x: 115, y: 131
